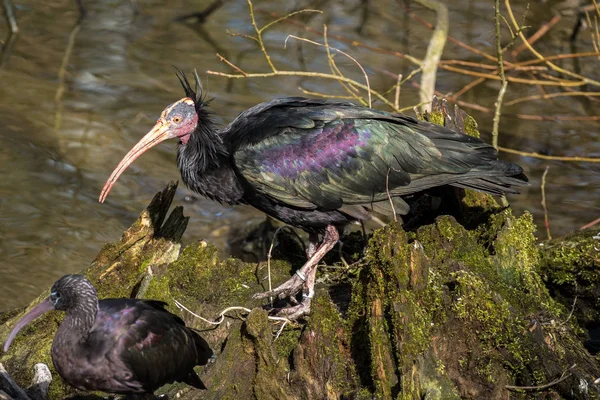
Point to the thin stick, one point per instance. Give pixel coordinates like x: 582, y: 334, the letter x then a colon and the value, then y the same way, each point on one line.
x: 387, y: 190
x: 572, y: 309
x: 336, y: 71
x: 10, y: 16
x: 557, y: 57
x: 552, y: 95
x: 308, y: 74
x: 536, y: 36
x: 546, y: 386
x: 434, y: 50
x: 528, y: 117
x: 589, y: 225
x: 271, y: 251
x: 325, y: 95
x: 368, y: 85
x: 541, y: 57
x: 223, y: 313
x: 269, y: 261
x: 259, y: 37
x: 280, y: 330
x: 502, y: 91
x: 466, y: 88
x: 546, y: 157
x: 397, y: 95
x: 221, y: 58
x: 544, y: 202
x: 562, y: 82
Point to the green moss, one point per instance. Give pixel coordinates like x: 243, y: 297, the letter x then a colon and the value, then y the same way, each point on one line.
x: 487, y: 313
x: 287, y: 342
x: 31, y: 346
x: 442, y: 312
x: 474, y: 199
x: 436, y: 117
x: 471, y: 127
x: 570, y: 266
x: 332, y: 344
x: 269, y: 375
x: 200, y: 276
x: 159, y: 289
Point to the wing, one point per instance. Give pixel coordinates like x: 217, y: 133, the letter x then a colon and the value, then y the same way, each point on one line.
x: 151, y: 346
x: 326, y: 154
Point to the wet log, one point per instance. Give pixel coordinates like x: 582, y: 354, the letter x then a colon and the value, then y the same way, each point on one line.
x: 455, y: 308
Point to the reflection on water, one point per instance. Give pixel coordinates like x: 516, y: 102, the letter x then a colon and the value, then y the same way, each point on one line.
x: 67, y: 121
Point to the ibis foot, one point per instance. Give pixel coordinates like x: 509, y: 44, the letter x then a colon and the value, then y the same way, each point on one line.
x: 289, y: 288
x: 294, y: 313
x: 303, y: 279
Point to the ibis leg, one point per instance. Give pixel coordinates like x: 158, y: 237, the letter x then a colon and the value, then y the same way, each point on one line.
x: 304, y: 278
x: 313, y: 244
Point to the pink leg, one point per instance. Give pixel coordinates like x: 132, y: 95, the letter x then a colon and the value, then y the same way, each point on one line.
x: 313, y: 244
x: 304, y: 277
x: 303, y: 308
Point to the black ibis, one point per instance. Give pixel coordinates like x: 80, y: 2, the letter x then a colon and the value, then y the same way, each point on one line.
x: 318, y: 165
x: 124, y: 346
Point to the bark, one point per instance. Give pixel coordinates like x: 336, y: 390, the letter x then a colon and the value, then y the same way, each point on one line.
x: 456, y: 308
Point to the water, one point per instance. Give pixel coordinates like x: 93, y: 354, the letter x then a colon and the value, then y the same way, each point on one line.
x: 69, y: 117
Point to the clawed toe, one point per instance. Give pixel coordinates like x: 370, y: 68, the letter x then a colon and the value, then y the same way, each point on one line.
x: 294, y: 313
x: 287, y: 289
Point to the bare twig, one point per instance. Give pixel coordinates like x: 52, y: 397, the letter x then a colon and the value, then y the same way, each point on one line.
x: 10, y: 15
x: 546, y: 222
x: 326, y: 95
x: 536, y: 36
x: 269, y: 257
x: 590, y: 224
x: 221, y: 58
x: 546, y: 157
x: 434, y: 50
x: 498, y: 105
x: 397, y: 94
x: 528, y: 117
x: 308, y: 74
x: 223, y: 314
x: 280, y: 330
x: 565, y: 375
x: 466, y: 88
x: 572, y: 309
x: 553, y: 66
x: 387, y: 190
x: 326, y: 45
x: 552, y: 95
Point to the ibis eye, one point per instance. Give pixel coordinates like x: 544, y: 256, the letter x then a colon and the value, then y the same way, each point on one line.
x: 55, y: 296
x: 176, y: 119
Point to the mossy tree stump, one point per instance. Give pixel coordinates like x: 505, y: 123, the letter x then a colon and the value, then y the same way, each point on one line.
x: 438, y: 312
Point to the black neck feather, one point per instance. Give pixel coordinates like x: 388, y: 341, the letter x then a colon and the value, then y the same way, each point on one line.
x: 203, y: 159
x: 204, y: 150
x: 79, y: 320
x: 205, y: 165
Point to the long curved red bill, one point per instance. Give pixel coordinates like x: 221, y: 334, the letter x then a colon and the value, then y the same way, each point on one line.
x: 35, y: 312
x: 158, y: 134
